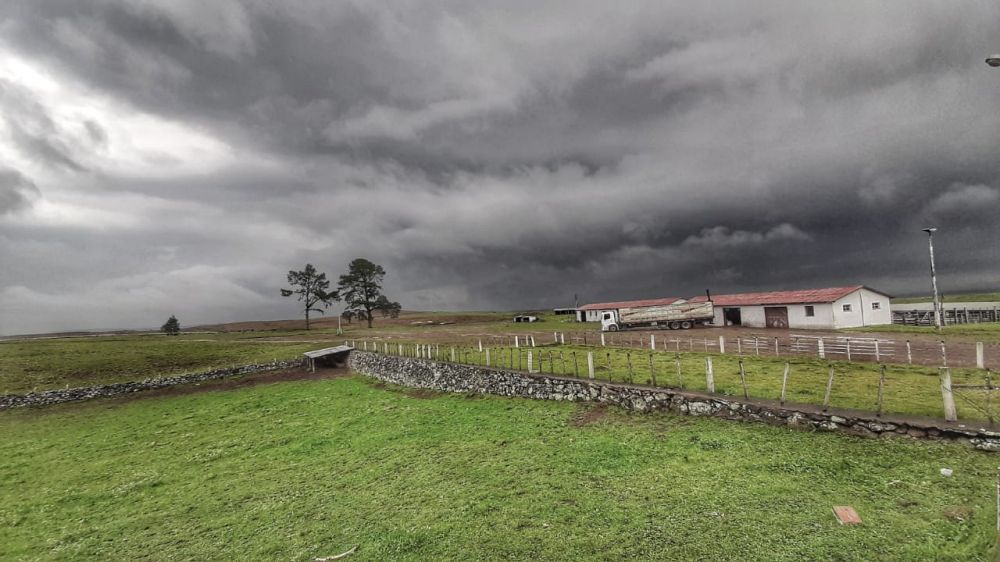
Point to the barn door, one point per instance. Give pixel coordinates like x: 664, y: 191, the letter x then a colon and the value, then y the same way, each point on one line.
x: 776, y: 316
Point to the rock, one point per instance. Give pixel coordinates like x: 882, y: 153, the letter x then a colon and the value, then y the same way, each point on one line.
x: 946, y: 472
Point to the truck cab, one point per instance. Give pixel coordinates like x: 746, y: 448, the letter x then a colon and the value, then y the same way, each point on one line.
x: 609, y: 321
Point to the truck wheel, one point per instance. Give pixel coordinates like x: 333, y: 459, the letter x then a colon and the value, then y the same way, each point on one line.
x: 613, y: 328
x: 675, y: 325
x: 686, y: 325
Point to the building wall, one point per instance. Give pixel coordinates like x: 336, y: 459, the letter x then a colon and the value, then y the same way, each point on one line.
x: 862, y: 313
x: 822, y: 318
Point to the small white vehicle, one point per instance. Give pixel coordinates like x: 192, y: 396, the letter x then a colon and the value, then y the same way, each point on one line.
x: 678, y: 316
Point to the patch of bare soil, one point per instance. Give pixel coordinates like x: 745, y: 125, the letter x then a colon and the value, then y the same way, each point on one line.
x: 588, y: 414
x: 286, y: 375
x: 422, y: 393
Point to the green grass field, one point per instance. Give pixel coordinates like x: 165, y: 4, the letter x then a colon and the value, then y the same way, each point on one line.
x: 986, y: 332
x: 298, y: 470
x: 908, y: 390
x: 974, y: 297
x: 46, y: 364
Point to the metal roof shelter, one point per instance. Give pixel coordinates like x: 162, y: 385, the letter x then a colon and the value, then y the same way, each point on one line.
x: 806, y: 296
x: 335, y: 355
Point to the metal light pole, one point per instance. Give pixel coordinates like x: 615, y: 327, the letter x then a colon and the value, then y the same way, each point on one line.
x: 937, y: 302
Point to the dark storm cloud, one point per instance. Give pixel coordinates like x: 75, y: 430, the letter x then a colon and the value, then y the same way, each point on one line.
x: 16, y: 191
x: 500, y: 156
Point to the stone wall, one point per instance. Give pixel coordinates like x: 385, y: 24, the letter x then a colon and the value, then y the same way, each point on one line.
x: 106, y: 390
x: 454, y: 377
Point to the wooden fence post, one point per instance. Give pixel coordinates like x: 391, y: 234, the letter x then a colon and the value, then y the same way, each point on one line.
x: 829, y: 387
x: 777, y: 351
x: 950, y: 414
x: 980, y: 360
x: 517, y: 341
x: 820, y: 349
x: 743, y: 381
x: 909, y: 355
x: 609, y: 367
x: 487, y: 357
x: 602, y: 339
x: 590, y: 364
x: 652, y: 370
x: 848, y: 349
x: 722, y: 345
x: 576, y: 366
x: 878, y: 357
x: 680, y: 375
x: 562, y: 338
x: 628, y: 359
x: 881, y: 389
x: 784, y: 383
x: 453, y: 355
x: 531, y: 367
x: 709, y: 375
x: 652, y: 341
x: 944, y: 355
x: 739, y: 345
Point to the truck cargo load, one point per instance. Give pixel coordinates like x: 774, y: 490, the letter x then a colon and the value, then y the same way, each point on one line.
x: 673, y: 316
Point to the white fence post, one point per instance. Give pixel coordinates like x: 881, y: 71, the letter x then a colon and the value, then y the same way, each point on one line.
x: 602, y: 339
x: 530, y: 367
x: 980, y: 360
x: 909, y: 355
x: 709, y: 375
x: 652, y: 341
x: 949, y: 399
x: 722, y: 344
x: 590, y: 364
x: 562, y: 338
x: 532, y: 341
x: 820, y: 349
x: 480, y: 346
x: 487, y: 357
x: 517, y: 341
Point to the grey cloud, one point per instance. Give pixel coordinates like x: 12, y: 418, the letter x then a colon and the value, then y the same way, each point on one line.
x: 16, y: 191
x: 509, y: 156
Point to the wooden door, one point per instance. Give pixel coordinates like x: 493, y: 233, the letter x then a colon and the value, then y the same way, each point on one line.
x: 776, y: 316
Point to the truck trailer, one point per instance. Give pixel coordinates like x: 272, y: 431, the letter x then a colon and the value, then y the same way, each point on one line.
x: 678, y: 316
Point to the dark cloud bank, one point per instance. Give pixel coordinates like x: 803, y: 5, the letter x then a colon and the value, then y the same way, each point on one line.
x: 491, y: 156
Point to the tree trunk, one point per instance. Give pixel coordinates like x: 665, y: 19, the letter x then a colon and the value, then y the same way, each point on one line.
x: 307, y: 319
x: 369, y: 315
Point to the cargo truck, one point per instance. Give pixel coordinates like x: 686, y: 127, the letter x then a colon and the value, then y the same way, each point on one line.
x: 677, y: 316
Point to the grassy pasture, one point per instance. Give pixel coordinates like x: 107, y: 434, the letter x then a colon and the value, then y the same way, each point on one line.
x: 908, y: 390
x: 293, y: 471
x: 28, y: 365
x: 974, y: 297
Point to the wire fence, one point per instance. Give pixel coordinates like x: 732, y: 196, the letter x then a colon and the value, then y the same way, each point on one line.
x: 753, y: 371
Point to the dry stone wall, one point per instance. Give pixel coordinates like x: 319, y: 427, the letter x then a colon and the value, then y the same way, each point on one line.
x: 106, y: 390
x: 455, y: 377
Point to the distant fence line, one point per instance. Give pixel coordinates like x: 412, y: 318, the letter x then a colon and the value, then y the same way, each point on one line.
x: 736, y: 372
x: 845, y: 348
x: 949, y: 316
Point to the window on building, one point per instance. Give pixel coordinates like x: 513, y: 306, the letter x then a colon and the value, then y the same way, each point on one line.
x: 847, y: 308
x: 810, y: 310
x: 876, y: 305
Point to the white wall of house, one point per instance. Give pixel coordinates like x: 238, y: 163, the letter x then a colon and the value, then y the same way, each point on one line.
x: 822, y: 316
x: 867, y: 308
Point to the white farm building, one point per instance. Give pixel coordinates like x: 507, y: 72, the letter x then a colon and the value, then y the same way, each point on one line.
x: 831, y: 308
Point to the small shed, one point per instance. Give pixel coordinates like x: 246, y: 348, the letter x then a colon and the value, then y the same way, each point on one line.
x: 525, y: 318
x: 327, y: 357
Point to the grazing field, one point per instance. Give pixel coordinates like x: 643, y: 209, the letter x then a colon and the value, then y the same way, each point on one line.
x: 27, y: 365
x: 985, y: 332
x: 976, y: 297
x: 299, y: 470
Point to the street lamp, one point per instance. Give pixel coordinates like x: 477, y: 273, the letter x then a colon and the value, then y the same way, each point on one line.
x: 937, y: 303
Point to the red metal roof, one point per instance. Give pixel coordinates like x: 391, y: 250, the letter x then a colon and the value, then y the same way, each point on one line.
x: 629, y: 304
x: 783, y: 297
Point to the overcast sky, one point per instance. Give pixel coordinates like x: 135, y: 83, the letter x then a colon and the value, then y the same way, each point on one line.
x: 166, y: 157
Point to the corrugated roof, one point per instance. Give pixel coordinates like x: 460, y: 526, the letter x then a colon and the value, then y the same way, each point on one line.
x: 830, y: 294
x: 629, y: 304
